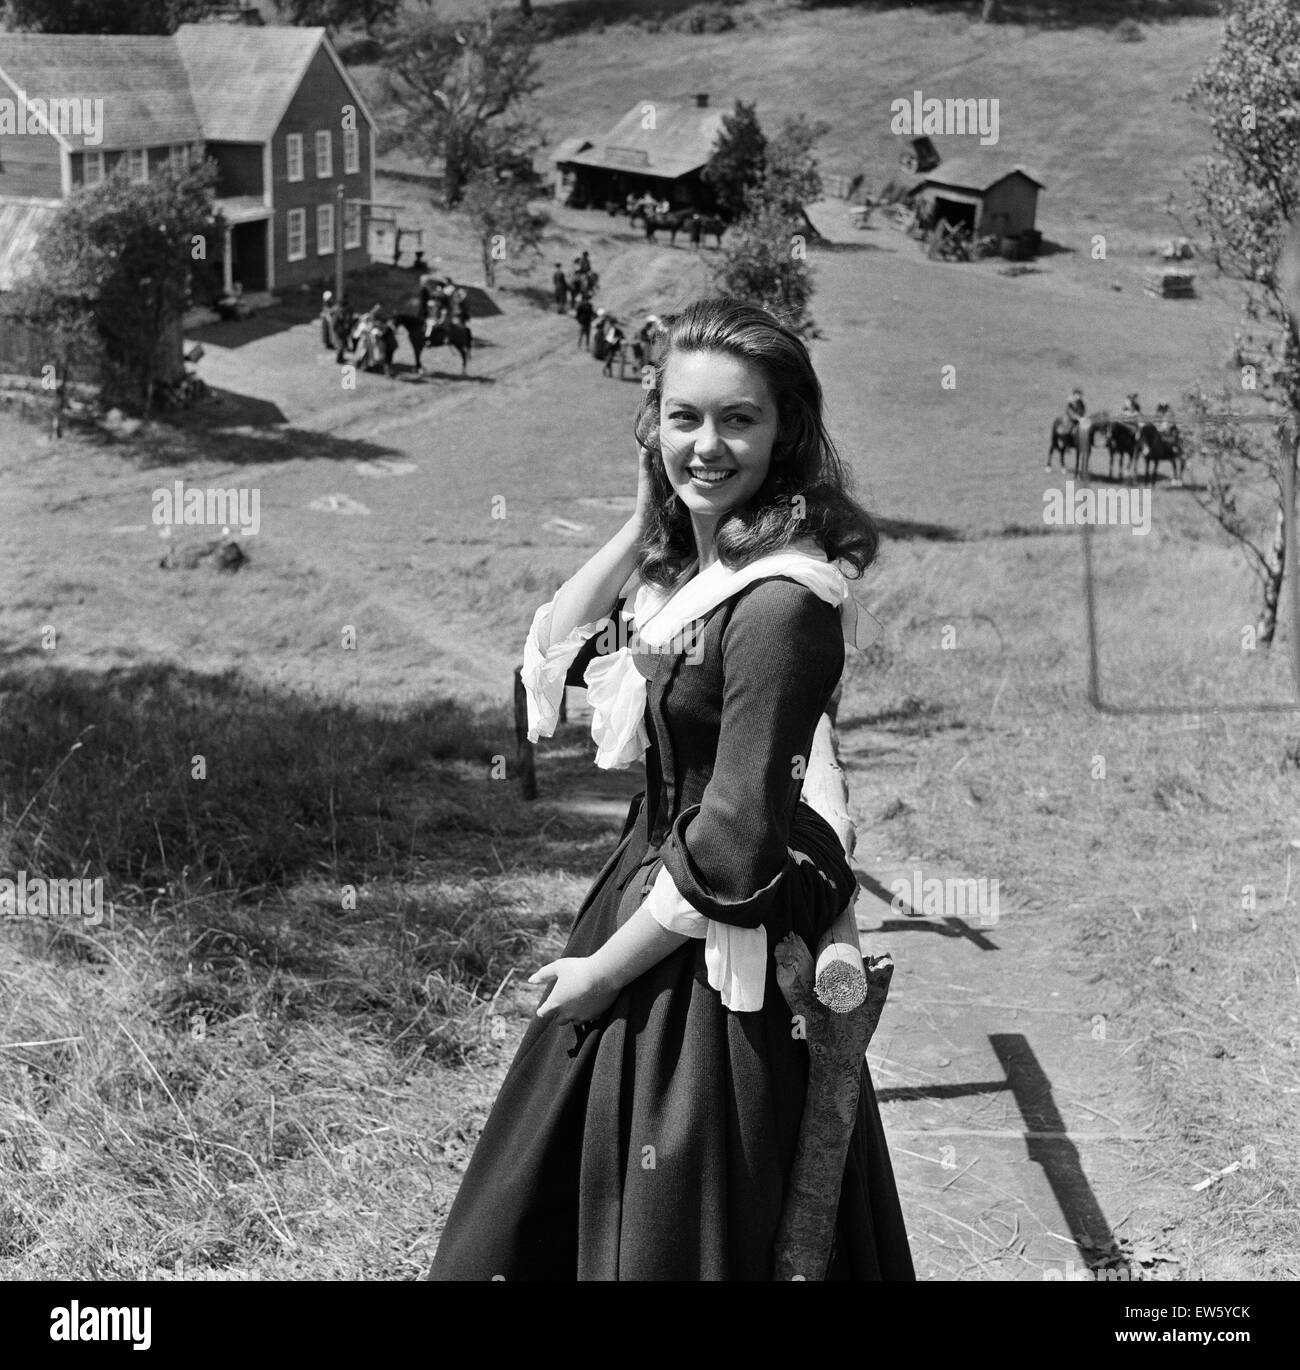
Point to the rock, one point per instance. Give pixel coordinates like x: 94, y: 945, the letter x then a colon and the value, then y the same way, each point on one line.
x: 221, y: 554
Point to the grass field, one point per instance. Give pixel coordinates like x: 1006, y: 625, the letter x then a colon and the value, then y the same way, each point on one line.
x: 273, y: 1057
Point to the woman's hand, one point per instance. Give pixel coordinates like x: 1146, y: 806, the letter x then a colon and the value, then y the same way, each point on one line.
x: 576, y: 994
x: 644, y: 496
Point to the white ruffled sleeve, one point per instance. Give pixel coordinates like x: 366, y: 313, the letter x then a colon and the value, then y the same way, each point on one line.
x: 736, y: 958
x: 546, y: 663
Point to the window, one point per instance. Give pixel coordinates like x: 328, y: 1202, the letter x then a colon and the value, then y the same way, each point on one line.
x: 351, y: 150
x: 138, y: 164
x: 179, y: 156
x: 324, y: 154
x: 93, y: 168
x: 324, y: 229
x: 293, y: 155
x: 296, y: 238
x: 351, y: 225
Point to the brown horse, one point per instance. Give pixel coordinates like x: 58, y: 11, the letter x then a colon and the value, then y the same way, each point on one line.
x: 445, y: 332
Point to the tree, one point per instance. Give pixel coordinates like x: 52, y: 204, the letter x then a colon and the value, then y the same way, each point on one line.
x: 507, y: 230
x: 1244, y: 197
x: 337, y: 14
x: 117, y: 259
x: 106, y: 16
x: 459, y: 87
x: 765, y: 256
x: 735, y: 169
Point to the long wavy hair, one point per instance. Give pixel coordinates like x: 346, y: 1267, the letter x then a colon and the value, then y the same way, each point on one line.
x: 806, y: 492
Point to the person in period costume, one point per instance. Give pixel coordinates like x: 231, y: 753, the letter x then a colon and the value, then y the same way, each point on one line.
x: 1075, y: 408
x: 584, y: 314
x: 560, y: 284
x: 647, y: 1126
x: 614, y: 335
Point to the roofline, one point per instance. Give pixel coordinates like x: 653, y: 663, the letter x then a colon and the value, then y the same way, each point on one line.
x: 931, y: 178
x: 322, y: 36
x: 22, y: 95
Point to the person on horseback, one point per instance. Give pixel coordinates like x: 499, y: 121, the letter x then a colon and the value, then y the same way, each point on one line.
x: 1075, y: 408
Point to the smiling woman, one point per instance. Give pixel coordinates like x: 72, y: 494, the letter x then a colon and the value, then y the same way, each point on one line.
x: 659, y: 1144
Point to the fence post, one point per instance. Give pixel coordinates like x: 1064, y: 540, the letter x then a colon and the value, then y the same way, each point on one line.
x: 524, y: 756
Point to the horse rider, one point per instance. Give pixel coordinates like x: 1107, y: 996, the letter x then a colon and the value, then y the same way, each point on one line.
x: 1075, y: 408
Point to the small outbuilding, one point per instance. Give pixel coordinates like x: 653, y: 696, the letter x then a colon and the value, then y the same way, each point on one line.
x: 986, y: 196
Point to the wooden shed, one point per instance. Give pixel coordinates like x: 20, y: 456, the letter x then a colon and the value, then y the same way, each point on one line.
x: 986, y: 196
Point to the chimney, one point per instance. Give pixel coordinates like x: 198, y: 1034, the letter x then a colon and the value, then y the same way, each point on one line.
x: 702, y: 100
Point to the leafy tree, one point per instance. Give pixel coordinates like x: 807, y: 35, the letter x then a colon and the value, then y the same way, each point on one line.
x: 459, y: 86
x: 1244, y: 197
x: 764, y: 263
x: 117, y: 260
x: 735, y: 169
x: 508, y: 232
x: 337, y: 14
x: 764, y: 256
x: 106, y: 16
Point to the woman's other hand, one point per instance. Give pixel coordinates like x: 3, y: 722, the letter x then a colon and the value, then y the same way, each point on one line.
x: 575, y: 993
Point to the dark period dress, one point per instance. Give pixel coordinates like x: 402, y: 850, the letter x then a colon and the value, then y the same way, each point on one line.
x: 656, y: 1144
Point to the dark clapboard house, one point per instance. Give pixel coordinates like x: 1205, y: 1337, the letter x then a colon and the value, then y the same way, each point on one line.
x: 659, y: 147
x: 273, y: 106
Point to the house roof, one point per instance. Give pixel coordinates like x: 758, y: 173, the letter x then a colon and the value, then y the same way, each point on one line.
x: 21, y: 224
x: 141, y: 80
x: 223, y: 83
x: 243, y: 77
x: 681, y: 140
x: 977, y: 172
x: 565, y: 150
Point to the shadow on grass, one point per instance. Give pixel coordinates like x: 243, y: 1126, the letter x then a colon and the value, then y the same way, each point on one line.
x: 911, y: 530
x: 156, y: 777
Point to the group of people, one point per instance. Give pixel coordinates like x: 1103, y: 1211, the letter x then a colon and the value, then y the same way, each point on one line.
x: 577, y: 287
x: 373, y: 334
x: 611, y: 335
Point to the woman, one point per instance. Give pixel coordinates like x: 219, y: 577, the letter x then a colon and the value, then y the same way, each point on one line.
x: 657, y: 1145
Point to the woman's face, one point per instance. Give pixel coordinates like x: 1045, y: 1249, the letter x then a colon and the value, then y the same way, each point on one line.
x: 717, y: 425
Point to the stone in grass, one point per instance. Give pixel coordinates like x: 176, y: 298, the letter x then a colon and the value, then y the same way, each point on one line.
x: 221, y: 554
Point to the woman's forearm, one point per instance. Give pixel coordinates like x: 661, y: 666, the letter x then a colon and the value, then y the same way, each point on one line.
x: 639, y: 944
x: 590, y: 593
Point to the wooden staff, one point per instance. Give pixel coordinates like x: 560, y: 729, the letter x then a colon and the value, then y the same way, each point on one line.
x: 1288, y: 282
x: 838, y: 1000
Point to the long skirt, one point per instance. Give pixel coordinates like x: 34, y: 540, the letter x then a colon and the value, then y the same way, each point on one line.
x: 657, y: 1144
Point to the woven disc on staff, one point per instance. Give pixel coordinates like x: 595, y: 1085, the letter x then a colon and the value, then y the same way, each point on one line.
x: 841, y: 986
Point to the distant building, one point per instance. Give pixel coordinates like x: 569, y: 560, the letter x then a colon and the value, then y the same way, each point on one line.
x: 984, y: 194
x: 659, y: 147
x: 267, y: 103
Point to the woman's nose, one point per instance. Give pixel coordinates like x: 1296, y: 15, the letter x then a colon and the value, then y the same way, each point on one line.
x: 708, y: 441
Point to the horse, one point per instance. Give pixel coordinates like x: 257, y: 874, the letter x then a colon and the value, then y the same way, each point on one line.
x: 1064, y: 435
x: 1121, y: 434
x: 674, y: 221
x: 1157, y: 443
x: 446, y: 331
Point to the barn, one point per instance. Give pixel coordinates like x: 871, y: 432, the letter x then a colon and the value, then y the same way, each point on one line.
x: 983, y: 194
x: 657, y: 147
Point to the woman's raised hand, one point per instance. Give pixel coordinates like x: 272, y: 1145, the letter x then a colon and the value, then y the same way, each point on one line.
x: 644, y: 497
